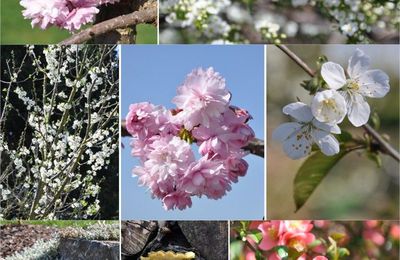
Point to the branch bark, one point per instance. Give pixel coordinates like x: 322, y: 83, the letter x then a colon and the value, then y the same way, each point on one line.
x: 255, y: 146
x: 123, y: 21
x: 384, y: 146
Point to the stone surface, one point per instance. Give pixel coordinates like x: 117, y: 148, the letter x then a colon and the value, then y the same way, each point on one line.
x: 210, y: 238
x: 79, y: 249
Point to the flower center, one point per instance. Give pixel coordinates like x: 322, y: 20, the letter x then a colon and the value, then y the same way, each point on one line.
x: 352, y: 85
x: 329, y: 102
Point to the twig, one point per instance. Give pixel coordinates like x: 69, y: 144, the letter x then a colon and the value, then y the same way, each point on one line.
x: 137, y: 17
x: 255, y: 146
x: 296, y: 59
x: 384, y: 146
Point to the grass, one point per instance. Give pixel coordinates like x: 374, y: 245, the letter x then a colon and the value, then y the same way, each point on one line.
x: 58, y: 223
x: 16, y: 30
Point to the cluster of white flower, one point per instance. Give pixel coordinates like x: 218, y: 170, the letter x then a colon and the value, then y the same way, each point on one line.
x: 71, y: 131
x: 357, y: 18
x: 342, y: 96
x: 239, y: 21
x: 202, y: 16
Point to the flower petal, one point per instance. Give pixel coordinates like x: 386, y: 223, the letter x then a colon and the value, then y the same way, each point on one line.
x: 333, y: 74
x: 298, y: 111
x: 331, y: 128
x: 298, y: 145
x: 329, y: 106
x: 328, y: 144
x: 358, y: 64
x: 374, y: 83
x: 358, y: 110
x: 283, y: 131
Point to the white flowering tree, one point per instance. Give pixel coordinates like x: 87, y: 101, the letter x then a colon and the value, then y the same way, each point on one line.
x: 59, y: 130
x: 314, y: 131
x: 273, y: 21
x: 112, y: 20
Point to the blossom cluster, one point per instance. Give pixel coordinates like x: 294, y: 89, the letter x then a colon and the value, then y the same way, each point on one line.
x: 242, y: 21
x: 343, y: 95
x: 67, y: 14
x: 319, y: 239
x: 162, y: 141
x: 65, y: 142
x: 357, y: 18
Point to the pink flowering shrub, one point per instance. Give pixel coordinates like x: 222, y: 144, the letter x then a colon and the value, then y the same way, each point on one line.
x: 163, y: 142
x: 67, y: 14
x: 316, y: 240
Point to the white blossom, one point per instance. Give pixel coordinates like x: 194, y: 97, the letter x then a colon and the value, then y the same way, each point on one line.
x: 361, y: 83
x: 298, y: 137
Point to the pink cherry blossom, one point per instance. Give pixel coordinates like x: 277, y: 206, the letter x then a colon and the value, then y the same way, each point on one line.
x: 229, y: 135
x: 44, y: 12
x: 162, y: 141
x: 203, y: 97
x: 206, y: 177
x: 177, y: 200
x: 236, y: 167
x: 145, y: 120
x: 68, y: 14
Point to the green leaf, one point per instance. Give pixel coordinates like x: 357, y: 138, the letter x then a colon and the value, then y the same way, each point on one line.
x: 256, y: 236
x: 282, y: 251
x: 259, y: 256
x: 375, y: 157
x: 311, y: 173
x: 375, y: 120
x: 343, y: 252
x: 236, y: 249
x: 344, y: 137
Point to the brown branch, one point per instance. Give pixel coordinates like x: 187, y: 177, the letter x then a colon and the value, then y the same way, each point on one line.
x: 137, y: 17
x: 255, y: 146
x: 384, y: 146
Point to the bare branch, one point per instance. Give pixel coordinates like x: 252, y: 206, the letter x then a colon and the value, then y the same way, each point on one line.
x: 255, y: 146
x: 384, y: 146
x: 137, y: 17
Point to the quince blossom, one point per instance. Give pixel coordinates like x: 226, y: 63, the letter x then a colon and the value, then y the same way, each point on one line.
x: 298, y: 137
x: 360, y: 84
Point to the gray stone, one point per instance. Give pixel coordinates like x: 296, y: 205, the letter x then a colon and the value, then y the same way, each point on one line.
x: 77, y: 249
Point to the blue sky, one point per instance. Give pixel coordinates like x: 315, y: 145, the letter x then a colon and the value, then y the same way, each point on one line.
x: 152, y: 73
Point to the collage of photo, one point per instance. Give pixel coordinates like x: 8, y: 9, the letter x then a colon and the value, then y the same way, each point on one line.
x: 200, y: 129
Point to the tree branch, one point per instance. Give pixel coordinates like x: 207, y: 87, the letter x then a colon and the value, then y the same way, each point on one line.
x: 384, y: 146
x: 255, y: 146
x: 137, y: 17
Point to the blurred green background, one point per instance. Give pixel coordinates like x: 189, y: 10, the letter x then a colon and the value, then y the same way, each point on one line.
x: 355, y: 188
x: 16, y: 30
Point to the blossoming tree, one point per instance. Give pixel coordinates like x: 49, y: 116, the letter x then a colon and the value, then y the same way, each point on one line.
x: 59, y: 130
x: 255, y: 21
x: 114, y: 20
